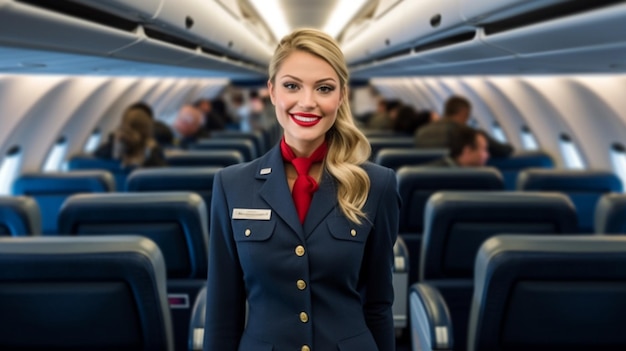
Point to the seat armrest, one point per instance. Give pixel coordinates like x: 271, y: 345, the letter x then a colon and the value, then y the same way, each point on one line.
x: 431, y: 325
x: 401, y: 256
x: 196, y: 323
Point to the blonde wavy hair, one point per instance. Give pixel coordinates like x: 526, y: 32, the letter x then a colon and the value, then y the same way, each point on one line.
x: 348, y: 148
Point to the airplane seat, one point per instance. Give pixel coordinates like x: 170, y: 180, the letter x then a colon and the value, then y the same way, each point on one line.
x: 610, y: 215
x: 77, y: 293
x: 245, y: 147
x: 584, y: 187
x: 194, y: 179
x: 83, y: 162
x: 203, y: 158
x: 19, y: 216
x: 389, y: 142
x: 196, y: 323
x: 51, y: 189
x: 396, y: 158
x: 549, y: 293
x: 257, y: 138
x: 417, y: 184
x: 175, y: 221
x: 457, y: 223
x: 511, y: 166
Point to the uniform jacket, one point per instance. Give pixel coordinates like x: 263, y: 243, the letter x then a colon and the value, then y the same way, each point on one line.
x: 322, y: 285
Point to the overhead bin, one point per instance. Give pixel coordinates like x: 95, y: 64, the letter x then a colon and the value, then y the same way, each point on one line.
x: 151, y: 50
x: 133, y: 10
x: 406, y: 24
x: 481, y: 10
x: 28, y: 26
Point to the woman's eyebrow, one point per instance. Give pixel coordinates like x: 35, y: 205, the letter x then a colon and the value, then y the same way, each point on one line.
x: 300, y: 80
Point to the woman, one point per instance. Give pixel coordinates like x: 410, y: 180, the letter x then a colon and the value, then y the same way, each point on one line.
x: 310, y: 250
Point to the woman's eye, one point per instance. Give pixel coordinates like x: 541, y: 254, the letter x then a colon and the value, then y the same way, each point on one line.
x: 290, y: 86
x: 326, y: 89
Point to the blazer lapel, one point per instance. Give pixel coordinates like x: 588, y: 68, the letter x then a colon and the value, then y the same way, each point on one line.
x: 275, y: 190
x: 323, y: 202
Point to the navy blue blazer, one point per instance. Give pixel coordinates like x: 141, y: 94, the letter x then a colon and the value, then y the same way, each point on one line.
x: 322, y: 285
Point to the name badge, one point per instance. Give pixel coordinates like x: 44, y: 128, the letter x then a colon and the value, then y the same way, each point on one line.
x: 249, y: 213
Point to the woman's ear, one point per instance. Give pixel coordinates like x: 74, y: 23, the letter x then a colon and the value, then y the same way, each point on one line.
x: 270, y: 89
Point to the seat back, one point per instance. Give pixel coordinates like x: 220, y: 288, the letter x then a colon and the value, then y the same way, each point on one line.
x: 457, y: 223
x: 549, y: 293
x: 390, y: 142
x: 257, y: 138
x: 69, y: 293
x: 584, y: 188
x: 244, y: 146
x: 83, y: 162
x: 396, y: 158
x: 51, y: 189
x: 198, y: 180
x: 610, y: 215
x: 203, y: 158
x: 511, y: 166
x: 19, y: 216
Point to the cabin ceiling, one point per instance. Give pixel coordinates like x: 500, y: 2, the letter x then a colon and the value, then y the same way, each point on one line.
x: 307, y: 13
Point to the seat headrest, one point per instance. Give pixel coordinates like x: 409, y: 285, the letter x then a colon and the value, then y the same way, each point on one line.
x: 64, y: 182
x: 433, y: 178
x: 526, y: 159
x: 125, y: 210
x: 82, y: 162
x: 610, y: 214
x: 569, y: 180
x: 203, y: 158
x: 20, y: 215
x: 396, y: 158
x: 191, y: 178
x: 116, y: 283
x: 245, y: 146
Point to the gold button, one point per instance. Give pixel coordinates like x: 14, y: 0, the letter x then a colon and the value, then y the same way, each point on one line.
x: 353, y: 232
x: 301, y: 284
x: 247, y: 232
x: 305, y: 348
x: 304, y: 317
x: 300, y: 250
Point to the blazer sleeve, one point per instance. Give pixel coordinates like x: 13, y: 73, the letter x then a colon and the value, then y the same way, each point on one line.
x: 225, y: 311
x: 377, y: 269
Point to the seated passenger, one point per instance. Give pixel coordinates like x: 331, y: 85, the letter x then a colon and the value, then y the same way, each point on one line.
x: 188, y: 126
x: 379, y: 119
x: 468, y: 148
x: 408, y: 121
x: 212, y: 120
x: 456, y: 113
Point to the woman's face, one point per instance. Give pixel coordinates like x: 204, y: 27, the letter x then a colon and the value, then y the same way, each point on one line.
x: 307, y: 95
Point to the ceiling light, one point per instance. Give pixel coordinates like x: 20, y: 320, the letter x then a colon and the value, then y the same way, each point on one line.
x: 344, y: 11
x: 273, y: 15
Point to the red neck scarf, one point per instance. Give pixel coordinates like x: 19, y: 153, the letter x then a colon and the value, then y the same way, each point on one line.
x: 305, y: 185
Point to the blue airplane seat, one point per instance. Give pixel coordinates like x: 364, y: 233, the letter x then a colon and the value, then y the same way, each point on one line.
x: 257, y: 138
x: 511, y: 166
x: 202, y: 158
x: 19, y: 216
x: 194, y: 179
x: 51, y: 189
x: 457, y: 223
x: 83, y: 162
x: 610, y: 215
x: 245, y: 147
x: 396, y: 158
x: 417, y: 184
x: 389, y: 142
x: 77, y: 293
x: 584, y: 187
x: 175, y: 221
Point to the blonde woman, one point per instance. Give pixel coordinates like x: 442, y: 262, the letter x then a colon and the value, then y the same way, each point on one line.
x: 305, y: 233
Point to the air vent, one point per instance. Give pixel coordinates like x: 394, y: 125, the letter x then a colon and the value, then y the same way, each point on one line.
x: 556, y: 11
x: 168, y: 38
x: 398, y: 53
x: 447, y: 41
x: 84, y: 12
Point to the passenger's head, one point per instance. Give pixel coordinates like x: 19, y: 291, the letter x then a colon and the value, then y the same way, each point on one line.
x: 393, y: 107
x: 203, y: 105
x: 188, y: 121
x: 134, y: 133
x: 458, y: 109
x: 142, y: 106
x: 469, y: 147
x: 308, y: 85
x: 406, y: 120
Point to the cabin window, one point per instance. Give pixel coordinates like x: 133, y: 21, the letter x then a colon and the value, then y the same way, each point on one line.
x: 9, y: 169
x: 93, y: 142
x: 498, y: 133
x: 55, y: 157
x: 618, y: 158
x: 528, y: 139
x: 573, y: 159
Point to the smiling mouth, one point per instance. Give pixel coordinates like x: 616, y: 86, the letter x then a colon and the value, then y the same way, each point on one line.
x: 305, y: 119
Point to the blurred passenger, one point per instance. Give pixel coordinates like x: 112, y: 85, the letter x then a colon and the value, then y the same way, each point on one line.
x: 188, y: 126
x: 211, y: 120
x: 380, y: 120
x: 468, y: 148
x: 408, y: 121
x: 456, y: 113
